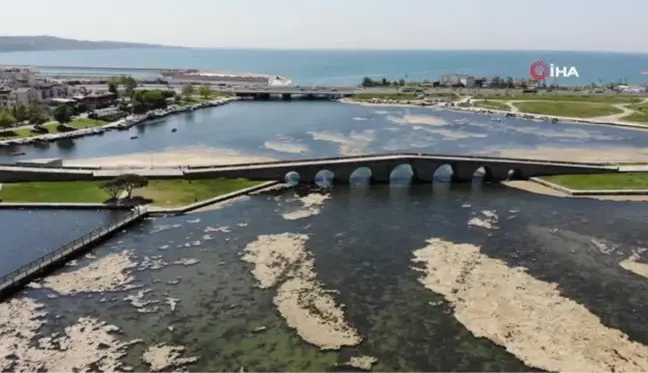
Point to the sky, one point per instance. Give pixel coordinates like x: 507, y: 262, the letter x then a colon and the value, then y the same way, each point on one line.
x: 591, y: 25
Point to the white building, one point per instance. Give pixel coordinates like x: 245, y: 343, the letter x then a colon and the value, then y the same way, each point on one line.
x: 4, y: 97
x: 467, y: 81
x: 17, y: 76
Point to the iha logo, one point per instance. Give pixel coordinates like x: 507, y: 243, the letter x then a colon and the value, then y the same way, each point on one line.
x: 540, y: 70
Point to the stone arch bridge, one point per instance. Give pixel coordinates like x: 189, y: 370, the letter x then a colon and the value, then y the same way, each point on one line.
x: 381, y: 166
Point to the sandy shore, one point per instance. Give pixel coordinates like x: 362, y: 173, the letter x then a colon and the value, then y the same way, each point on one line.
x: 195, y: 156
x: 532, y: 187
x: 282, y: 260
x: 428, y: 120
x: 527, y: 316
x: 162, y: 357
x: 487, y: 219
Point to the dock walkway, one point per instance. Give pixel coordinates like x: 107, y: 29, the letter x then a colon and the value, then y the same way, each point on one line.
x: 18, y: 278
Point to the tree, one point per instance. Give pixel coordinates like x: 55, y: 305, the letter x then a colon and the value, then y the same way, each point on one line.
x: 204, y: 91
x: 188, y: 90
x: 510, y: 83
x: 401, y: 82
x: 20, y: 113
x: 112, y: 87
x: 131, y: 181
x: 36, y: 115
x: 367, y: 82
x: 113, y: 187
x: 154, y: 99
x: 6, y: 119
x: 63, y: 114
x: 129, y: 85
x: 384, y: 81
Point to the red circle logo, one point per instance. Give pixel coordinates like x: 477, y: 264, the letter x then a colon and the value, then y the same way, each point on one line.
x: 539, y: 70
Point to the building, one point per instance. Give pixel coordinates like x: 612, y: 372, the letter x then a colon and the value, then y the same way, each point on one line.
x: 451, y: 80
x: 24, y: 96
x: 46, y: 91
x: 96, y: 100
x: 4, y: 97
x: 17, y: 76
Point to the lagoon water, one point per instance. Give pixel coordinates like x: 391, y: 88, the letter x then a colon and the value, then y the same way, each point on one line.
x: 324, y: 129
x: 362, y: 243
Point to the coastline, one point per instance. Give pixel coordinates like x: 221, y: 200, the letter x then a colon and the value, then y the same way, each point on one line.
x: 121, y: 124
x: 516, y: 114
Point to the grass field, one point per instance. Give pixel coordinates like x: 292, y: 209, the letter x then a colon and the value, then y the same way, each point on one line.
x: 630, y: 180
x: 567, y: 109
x: 640, y: 116
x: 165, y: 193
x: 51, y: 128
x: 610, y: 99
x: 492, y: 104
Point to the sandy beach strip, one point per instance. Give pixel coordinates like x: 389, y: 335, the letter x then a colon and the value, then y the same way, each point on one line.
x: 194, y: 156
x: 528, y: 317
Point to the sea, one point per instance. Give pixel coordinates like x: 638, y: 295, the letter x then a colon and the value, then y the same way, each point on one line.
x: 348, y: 67
x: 544, y: 286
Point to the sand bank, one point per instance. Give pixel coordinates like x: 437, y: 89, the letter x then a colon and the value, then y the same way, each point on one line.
x: 633, y: 265
x: 355, y: 143
x: 308, y: 308
x: 527, y: 316
x: 162, y: 356
x: 88, y: 345
x: 429, y: 120
x: 311, y: 206
x: 530, y: 186
x: 286, y: 147
x: 175, y: 157
x: 105, y: 274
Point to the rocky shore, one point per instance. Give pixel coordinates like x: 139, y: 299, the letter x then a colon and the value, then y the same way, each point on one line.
x: 120, y: 125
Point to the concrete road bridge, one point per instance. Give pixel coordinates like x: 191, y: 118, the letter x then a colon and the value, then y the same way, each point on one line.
x: 287, y: 92
x: 378, y: 168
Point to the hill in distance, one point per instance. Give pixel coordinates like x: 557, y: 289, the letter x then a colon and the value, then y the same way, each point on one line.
x: 51, y: 43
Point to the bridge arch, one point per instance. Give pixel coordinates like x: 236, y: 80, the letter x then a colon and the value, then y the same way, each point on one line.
x: 444, y: 173
x: 483, y: 174
x: 324, y: 178
x: 360, y: 176
x: 403, y: 174
x: 515, y: 174
x: 292, y: 178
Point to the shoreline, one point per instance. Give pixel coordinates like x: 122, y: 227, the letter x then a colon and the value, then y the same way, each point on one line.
x: 513, y: 114
x: 122, y: 124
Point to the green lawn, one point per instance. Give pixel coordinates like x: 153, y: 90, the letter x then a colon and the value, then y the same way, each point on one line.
x: 629, y: 180
x: 567, y: 109
x: 167, y: 193
x: 493, y: 104
x: 640, y: 116
x: 51, y: 128
x: 610, y: 99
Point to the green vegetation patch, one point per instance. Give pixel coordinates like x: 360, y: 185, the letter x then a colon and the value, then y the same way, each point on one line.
x: 50, y: 128
x: 167, y: 193
x: 610, y: 99
x: 568, y: 109
x: 628, y: 180
x: 493, y: 104
x: 641, y: 114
